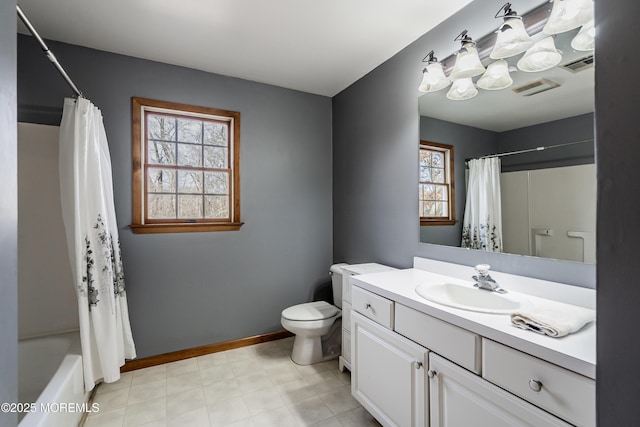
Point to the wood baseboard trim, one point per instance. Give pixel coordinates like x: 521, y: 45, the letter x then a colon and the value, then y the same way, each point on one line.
x: 174, y: 356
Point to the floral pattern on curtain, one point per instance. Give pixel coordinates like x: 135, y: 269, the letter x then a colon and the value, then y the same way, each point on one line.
x: 482, y: 224
x: 86, y: 191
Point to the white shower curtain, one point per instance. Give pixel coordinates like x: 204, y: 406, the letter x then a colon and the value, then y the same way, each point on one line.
x: 482, y: 225
x: 94, y: 247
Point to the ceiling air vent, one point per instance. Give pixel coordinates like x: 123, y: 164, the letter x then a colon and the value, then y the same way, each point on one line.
x: 579, y: 64
x: 535, y: 87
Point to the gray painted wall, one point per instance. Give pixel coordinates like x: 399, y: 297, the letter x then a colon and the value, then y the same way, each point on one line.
x: 8, y: 213
x: 571, y: 129
x: 192, y: 289
x: 618, y: 232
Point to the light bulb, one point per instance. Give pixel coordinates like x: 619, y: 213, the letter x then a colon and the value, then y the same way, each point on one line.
x: 462, y: 89
x: 586, y: 37
x: 567, y: 15
x: 467, y: 63
x: 496, y: 77
x: 512, y: 39
x: 433, y: 78
x: 541, y: 56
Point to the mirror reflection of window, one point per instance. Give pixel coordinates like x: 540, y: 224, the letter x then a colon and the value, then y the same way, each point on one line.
x: 436, y: 186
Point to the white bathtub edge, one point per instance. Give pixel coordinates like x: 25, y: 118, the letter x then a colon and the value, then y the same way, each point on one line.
x: 63, y: 401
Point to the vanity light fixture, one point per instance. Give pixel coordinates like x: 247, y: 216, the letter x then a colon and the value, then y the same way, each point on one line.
x: 512, y: 37
x: 467, y: 60
x: 496, y: 77
x: 462, y: 89
x: 586, y: 37
x: 542, y: 56
x: 567, y: 15
x: 433, y: 78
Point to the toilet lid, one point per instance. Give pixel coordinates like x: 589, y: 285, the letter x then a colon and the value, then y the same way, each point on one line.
x: 316, y: 310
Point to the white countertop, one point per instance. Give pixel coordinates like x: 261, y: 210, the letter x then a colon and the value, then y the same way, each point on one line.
x: 576, y: 352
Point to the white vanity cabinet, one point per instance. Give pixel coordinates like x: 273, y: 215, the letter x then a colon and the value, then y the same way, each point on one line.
x: 388, y: 376
x: 459, y: 398
x: 401, y: 355
x: 347, y: 271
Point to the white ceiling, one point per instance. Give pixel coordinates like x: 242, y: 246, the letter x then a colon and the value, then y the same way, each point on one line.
x: 319, y: 47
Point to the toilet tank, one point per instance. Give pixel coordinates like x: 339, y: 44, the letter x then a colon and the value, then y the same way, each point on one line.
x: 336, y: 283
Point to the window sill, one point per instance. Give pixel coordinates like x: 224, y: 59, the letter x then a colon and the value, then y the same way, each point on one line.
x: 437, y: 222
x: 184, y: 228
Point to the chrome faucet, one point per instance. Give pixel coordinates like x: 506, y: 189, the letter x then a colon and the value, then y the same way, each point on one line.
x: 484, y: 281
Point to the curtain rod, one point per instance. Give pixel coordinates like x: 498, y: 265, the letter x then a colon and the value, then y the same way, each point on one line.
x: 530, y: 150
x: 46, y: 50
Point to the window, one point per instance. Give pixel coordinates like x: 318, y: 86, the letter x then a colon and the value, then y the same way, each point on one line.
x: 436, y: 189
x: 186, y: 173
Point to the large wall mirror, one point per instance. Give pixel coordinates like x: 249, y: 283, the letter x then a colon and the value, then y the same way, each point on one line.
x: 547, y: 196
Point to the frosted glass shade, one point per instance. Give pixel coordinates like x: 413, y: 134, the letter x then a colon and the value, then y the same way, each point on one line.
x: 567, y: 15
x: 462, y: 89
x: 542, y: 56
x: 496, y: 77
x: 467, y: 63
x: 433, y: 78
x: 512, y: 39
x: 586, y: 37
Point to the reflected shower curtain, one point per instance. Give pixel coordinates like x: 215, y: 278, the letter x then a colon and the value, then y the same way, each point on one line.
x: 94, y: 247
x: 482, y: 225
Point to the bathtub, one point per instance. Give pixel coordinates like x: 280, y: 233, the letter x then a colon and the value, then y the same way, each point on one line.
x: 51, y: 381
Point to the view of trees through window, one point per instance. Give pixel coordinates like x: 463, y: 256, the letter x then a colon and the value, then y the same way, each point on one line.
x: 187, y: 168
x: 435, y: 186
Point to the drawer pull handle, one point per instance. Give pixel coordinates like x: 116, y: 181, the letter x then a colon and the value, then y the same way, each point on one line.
x: 418, y: 365
x: 431, y: 373
x: 535, y: 385
x: 367, y: 306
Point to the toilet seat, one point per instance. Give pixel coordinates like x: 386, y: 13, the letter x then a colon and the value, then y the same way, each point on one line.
x: 317, y: 310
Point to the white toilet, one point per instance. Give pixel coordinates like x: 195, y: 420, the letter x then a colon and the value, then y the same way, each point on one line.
x: 317, y: 325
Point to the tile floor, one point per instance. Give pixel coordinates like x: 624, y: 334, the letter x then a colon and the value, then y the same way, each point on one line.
x: 250, y: 386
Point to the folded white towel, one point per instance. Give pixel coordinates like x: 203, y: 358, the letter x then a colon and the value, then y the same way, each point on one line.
x: 554, y: 319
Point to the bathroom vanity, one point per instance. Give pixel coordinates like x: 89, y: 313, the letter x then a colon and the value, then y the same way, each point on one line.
x: 418, y: 363
x: 344, y: 360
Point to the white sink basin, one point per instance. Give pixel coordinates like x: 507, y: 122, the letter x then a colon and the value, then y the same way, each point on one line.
x: 466, y: 297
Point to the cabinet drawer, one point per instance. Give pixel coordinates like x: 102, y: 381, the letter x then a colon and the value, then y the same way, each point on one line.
x: 373, y: 306
x: 449, y: 341
x: 346, y: 316
x: 564, y: 393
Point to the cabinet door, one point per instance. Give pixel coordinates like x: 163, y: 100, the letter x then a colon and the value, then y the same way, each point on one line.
x: 388, y: 374
x: 458, y: 398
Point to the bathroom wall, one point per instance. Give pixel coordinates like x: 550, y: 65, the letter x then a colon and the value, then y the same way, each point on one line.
x: 571, y: 129
x: 192, y: 289
x: 8, y: 213
x: 376, y: 129
x: 46, y: 294
x: 618, y: 228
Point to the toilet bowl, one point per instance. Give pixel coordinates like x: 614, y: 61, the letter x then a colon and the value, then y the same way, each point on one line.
x: 317, y: 325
